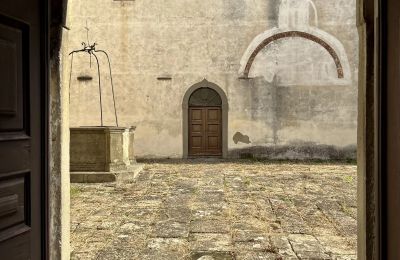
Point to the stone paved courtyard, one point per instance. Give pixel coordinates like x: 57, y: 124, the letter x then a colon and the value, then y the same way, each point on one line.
x: 219, y: 210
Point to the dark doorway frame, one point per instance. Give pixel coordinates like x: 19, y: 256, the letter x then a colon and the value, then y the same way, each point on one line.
x: 57, y: 231
x: 380, y: 141
x: 388, y: 74
x: 373, y: 149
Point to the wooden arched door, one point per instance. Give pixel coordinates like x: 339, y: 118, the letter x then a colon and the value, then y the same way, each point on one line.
x: 205, y: 123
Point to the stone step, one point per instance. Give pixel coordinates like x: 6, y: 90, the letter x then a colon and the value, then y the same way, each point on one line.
x: 102, y: 177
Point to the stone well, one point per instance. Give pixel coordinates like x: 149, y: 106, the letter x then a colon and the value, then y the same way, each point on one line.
x: 102, y: 154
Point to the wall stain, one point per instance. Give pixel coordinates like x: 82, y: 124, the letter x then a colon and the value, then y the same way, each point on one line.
x: 241, y: 138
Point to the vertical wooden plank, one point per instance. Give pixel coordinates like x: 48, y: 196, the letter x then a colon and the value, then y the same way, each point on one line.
x: 390, y: 146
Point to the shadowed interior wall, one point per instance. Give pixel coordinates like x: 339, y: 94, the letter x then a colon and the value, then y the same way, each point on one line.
x: 292, y: 106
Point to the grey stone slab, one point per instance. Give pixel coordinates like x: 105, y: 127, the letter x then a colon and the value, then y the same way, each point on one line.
x: 133, y: 227
x: 144, y: 176
x: 154, y: 196
x: 108, y: 224
x: 290, y: 219
x: 171, y: 229
x: 295, y: 225
x: 160, y: 255
x: 176, y: 200
x: 115, y: 253
x: 212, y: 256
x: 344, y: 223
x: 246, y: 209
x: 282, y: 245
x: 133, y: 240
x: 166, y: 243
x: 250, y: 236
x: 305, y: 243
x: 344, y: 257
x: 210, y: 242
x: 165, y: 248
x: 307, y: 247
x: 185, y: 186
x: 258, y: 245
x: 212, y: 197
x: 243, y: 255
x: 148, y: 203
x: 336, y: 245
x: 251, y: 224
x: 179, y: 214
x: 209, y: 226
x: 313, y: 255
x: 140, y: 214
x: 329, y: 205
x: 205, y: 211
x: 78, y: 255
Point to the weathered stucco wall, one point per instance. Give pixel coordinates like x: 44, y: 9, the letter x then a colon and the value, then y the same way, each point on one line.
x: 292, y: 105
x: 59, y: 177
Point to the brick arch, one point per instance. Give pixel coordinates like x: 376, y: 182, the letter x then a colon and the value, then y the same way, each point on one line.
x: 304, y: 35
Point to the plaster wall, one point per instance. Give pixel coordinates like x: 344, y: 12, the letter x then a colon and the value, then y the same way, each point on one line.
x: 59, y: 139
x: 292, y: 106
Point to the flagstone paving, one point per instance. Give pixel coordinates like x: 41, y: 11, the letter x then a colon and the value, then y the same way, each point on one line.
x: 219, y: 210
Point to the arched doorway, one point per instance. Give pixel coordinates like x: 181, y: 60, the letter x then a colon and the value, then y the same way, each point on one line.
x: 205, y: 116
x: 205, y: 123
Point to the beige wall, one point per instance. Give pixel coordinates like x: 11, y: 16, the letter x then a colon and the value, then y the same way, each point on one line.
x: 293, y: 99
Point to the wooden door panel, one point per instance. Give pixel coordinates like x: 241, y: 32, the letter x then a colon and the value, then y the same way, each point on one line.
x: 197, y: 129
x: 12, y: 200
x: 197, y: 114
x: 213, y: 142
x: 213, y: 129
x: 205, y: 131
x: 11, y: 75
x: 14, y: 141
x: 214, y: 136
x: 22, y: 128
x: 197, y: 142
x: 14, y: 146
x: 213, y: 115
x: 15, y: 247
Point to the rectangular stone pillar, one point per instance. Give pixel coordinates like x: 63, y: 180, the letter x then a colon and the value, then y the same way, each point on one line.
x: 115, y: 149
x: 131, y: 146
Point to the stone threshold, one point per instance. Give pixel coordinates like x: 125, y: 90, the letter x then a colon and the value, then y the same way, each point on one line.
x: 101, y: 177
